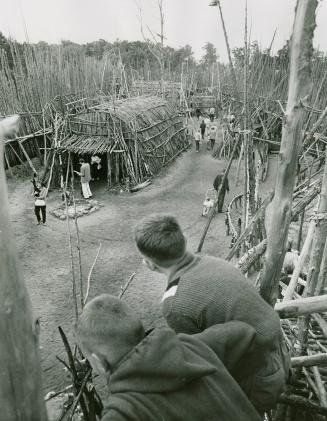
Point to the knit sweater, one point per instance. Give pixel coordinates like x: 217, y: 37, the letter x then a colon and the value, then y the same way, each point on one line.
x: 205, y: 291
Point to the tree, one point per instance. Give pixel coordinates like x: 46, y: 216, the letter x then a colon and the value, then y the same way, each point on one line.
x: 210, y: 55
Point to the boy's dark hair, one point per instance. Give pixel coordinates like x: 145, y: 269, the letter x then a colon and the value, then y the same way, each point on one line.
x: 160, y: 238
x: 81, y: 160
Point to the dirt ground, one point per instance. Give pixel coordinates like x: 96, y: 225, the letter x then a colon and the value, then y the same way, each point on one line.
x: 45, y: 257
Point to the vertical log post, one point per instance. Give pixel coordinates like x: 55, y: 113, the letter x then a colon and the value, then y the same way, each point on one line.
x: 20, y: 372
x: 299, y: 88
x: 108, y: 170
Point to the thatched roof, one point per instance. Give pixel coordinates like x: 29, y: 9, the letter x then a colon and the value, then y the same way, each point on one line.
x: 131, y: 109
x: 99, y: 127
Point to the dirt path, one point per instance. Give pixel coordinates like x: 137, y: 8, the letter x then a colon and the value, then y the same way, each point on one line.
x: 45, y: 256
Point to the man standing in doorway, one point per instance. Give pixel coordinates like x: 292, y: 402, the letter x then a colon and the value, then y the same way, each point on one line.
x: 85, y: 175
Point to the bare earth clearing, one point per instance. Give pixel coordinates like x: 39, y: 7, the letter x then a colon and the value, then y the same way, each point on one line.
x: 44, y: 251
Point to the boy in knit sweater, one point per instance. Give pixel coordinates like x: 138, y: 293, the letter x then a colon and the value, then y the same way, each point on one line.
x: 203, y: 291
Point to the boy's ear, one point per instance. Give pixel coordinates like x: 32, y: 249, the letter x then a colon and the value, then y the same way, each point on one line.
x: 150, y: 265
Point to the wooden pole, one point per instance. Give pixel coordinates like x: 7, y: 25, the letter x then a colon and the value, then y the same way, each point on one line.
x: 320, y: 235
x: 299, y: 88
x: 309, y: 361
x: 20, y: 371
x: 297, y: 270
x: 27, y: 157
x: 228, y: 47
x: 301, y: 306
x: 108, y: 170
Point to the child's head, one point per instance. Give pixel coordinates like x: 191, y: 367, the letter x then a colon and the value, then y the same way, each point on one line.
x: 160, y: 240
x: 107, y: 329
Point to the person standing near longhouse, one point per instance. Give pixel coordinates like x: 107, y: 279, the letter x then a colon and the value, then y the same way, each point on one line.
x: 197, y: 138
x: 40, y: 208
x: 212, y: 136
x: 212, y: 112
x: 85, y: 174
x: 203, y: 129
x: 225, y: 188
x: 203, y: 291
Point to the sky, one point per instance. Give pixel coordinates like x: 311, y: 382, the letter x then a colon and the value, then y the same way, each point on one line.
x: 190, y: 22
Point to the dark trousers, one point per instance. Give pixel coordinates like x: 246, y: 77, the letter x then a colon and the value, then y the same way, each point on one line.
x: 212, y: 142
x: 197, y: 145
x: 202, y: 133
x: 40, y: 210
x: 221, y: 198
x: 212, y: 117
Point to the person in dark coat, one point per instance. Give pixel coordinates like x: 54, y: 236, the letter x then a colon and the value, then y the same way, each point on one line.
x: 203, y: 128
x: 198, y: 113
x: 225, y: 188
x: 203, y: 291
x: 161, y: 375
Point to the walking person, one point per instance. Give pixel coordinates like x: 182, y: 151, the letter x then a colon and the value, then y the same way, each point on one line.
x: 197, y: 138
x: 203, y: 129
x: 85, y: 174
x: 212, y: 136
x: 40, y: 209
x: 212, y: 112
x: 198, y: 113
x: 225, y: 188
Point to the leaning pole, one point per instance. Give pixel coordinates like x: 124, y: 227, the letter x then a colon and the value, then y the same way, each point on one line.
x: 298, y: 90
x: 21, y: 396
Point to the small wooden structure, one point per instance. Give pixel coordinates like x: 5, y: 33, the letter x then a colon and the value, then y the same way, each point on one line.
x: 136, y: 137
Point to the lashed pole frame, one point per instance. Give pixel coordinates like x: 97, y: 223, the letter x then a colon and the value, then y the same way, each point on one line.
x: 20, y: 370
x: 298, y: 90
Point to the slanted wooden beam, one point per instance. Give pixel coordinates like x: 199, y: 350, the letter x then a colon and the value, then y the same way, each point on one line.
x: 302, y: 306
